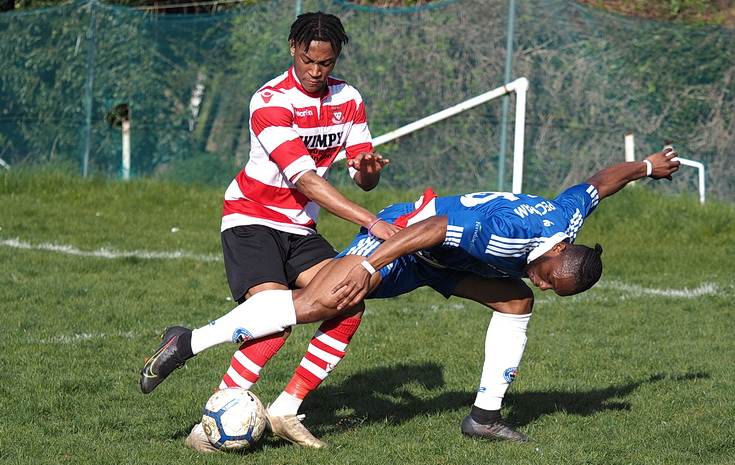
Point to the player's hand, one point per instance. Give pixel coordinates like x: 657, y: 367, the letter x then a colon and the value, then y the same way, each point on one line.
x: 383, y: 229
x: 353, y: 288
x: 664, y: 164
x: 368, y: 163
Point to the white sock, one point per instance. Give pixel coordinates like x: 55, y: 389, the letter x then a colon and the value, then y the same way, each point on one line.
x: 504, y: 346
x: 285, y: 404
x: 265, y: 313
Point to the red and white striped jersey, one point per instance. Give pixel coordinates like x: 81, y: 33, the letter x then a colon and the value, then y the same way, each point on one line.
x: 292, y: 132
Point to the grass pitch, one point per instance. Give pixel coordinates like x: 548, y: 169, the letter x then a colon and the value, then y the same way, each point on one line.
x: 639, y: 370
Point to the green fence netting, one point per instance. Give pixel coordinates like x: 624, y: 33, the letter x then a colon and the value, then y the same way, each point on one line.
x: 187, y: 80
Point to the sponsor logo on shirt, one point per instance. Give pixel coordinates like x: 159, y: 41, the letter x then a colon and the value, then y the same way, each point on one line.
x: 321, y: 141
x: 475, y: 236
x: 319, y: 155
x: 267, y: 95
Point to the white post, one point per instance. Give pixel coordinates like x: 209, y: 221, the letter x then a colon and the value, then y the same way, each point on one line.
x: 694, y: 164
x: 520, y: 86
x: 125, y: 149
x: 629, y: 156
x: 700, y: 168
x: 629, y: 146
x: 444, y: 114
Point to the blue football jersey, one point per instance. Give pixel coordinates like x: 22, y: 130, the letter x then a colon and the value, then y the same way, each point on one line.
x: 495, y: 234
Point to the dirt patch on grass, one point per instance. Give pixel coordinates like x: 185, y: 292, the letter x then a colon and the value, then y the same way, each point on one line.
x: 712, y: 13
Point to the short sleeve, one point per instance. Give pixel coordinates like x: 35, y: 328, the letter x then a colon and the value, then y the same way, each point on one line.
x: 582, y: 198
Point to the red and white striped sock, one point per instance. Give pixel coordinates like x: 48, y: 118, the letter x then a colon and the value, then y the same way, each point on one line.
x: 249, y: 359
x: 327, y: 348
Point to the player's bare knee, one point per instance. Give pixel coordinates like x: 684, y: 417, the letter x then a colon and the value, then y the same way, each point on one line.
x: 520, y: 304
x: 524, y: 306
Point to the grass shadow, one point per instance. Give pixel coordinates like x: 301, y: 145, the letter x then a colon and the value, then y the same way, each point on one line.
x: 399, y: 393
x: 527, y: 407
x: 390, y: 394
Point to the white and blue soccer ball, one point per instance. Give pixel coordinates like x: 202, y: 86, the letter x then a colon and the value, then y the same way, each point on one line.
x: 233, y: 419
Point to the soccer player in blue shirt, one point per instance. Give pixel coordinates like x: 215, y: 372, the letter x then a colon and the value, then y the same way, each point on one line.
x: 477, y: 246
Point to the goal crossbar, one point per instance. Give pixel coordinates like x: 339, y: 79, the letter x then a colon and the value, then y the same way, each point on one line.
x: 519, y: 87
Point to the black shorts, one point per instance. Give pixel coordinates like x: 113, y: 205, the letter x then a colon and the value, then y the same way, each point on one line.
x: 258, y: 254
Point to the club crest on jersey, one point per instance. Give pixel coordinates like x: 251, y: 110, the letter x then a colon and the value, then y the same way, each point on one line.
x: 510, y: 374
x: 337, y: 117
x: 241, y: 335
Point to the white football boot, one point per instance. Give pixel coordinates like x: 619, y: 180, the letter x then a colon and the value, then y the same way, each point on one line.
x: 289, y: 427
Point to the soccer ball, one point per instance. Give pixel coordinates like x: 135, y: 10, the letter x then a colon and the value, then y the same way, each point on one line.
x: 233, y: 419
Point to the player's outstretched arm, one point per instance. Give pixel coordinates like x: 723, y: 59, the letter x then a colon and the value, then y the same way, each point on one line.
x: 613, y: 178
x: 419, y: 236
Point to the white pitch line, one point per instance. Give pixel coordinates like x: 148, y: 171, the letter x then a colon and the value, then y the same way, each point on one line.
x: 703, y: 289
x: 105, y: 252
x: 82, y: 337
x: 631, y: 290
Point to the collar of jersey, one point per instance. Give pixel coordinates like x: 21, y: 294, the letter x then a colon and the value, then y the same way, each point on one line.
x: 545, y: 245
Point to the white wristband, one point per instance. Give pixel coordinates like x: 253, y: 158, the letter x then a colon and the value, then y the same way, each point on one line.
x: 366, y: 264
x: 649, y: 167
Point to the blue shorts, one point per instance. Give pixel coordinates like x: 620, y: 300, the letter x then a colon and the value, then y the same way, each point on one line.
x: 407, y: 273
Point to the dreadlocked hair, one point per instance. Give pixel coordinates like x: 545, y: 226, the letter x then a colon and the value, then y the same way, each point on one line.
x: 321, y: 27
x: 585, y: 264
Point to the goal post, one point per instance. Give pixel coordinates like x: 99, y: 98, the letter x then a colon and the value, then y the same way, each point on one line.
x: 519, y: 87
x: 699, y: 166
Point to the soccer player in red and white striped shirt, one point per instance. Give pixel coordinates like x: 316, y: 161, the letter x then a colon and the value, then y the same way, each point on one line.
x: 299, y: 122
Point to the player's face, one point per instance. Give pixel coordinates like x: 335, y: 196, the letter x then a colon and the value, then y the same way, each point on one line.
x: 546, y: 273
x: 313, y: 66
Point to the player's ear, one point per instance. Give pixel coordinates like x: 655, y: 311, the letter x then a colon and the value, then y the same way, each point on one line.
x: 292, y: 45
x: 560, y: 247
